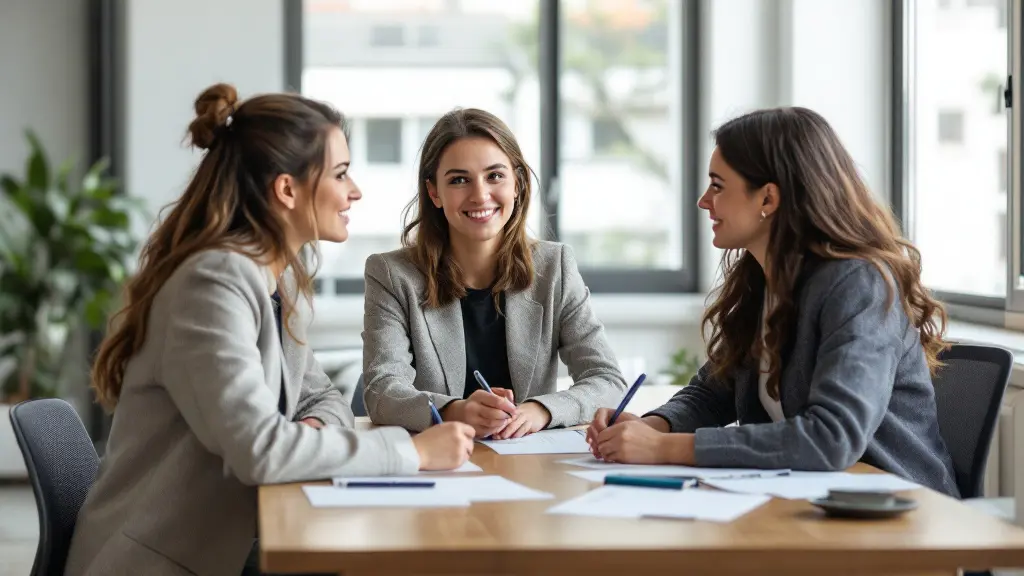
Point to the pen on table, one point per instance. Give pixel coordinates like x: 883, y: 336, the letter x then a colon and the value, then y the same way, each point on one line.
x: 627, y: 398
x: 435, y: 416
x: 483, y: 383
x: 671, y: 483
x: 358, y: 484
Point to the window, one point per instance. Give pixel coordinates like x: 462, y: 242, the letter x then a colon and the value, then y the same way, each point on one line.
x: 621, y: 205
x: 603, y: 130
x: 387, y: 36
x: 951, y: 127
x: 957, y: 192
x: 384, y: 141
x: 428, y: 36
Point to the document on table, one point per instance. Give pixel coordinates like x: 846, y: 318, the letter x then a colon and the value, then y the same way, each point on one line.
x: 812, y: 485
x: 472, y: 488
x: 630, y: 502
x: 332, y: 497
x: 543, y: 442
x: 598, y: 469
x: 466, y: 468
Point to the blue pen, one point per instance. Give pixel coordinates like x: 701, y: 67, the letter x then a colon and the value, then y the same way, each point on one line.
x: 480, y: 380
x: 483, y: 384
x: 435, y: 416
x: 389, y: 485
x: 629, y: 396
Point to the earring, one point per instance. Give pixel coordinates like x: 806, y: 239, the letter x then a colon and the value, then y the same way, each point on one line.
x: 763, y: 216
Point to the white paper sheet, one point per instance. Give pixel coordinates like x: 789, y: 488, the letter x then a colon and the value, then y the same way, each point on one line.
x: 332, y: 497
x: 811, y: 485
x: 543, y: 442
x: 473, y: 488
x: 630, y: 502
x: 599, y: 469
x: 466, y: 468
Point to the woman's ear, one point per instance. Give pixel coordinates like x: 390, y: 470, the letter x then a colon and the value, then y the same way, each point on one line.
x: 284, y: 190
x: 432, y: 192
x: 771, y: 199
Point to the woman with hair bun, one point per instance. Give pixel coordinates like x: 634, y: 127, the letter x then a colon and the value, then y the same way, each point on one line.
x: 211, y: 382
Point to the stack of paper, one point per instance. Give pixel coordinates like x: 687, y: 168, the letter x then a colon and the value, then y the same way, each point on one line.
x: 543, y: 442
x: 812, y: 485
x: 448, y: 491
x: 629, y: 502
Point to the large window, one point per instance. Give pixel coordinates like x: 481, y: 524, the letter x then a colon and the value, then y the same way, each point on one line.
x: 595, y: 92
x: 958, y: 135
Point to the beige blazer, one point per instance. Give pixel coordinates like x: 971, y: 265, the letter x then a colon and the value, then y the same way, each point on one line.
x: 197, y: 428
x: 412, y: 352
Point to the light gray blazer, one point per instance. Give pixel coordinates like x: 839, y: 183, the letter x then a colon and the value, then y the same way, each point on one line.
x: 412, y: 352
x: 197, y: 427
x: 855, y: 386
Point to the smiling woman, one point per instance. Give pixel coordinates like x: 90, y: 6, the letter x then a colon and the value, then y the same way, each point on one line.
x: 472, y: 301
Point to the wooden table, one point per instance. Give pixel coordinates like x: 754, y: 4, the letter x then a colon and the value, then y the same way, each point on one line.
x: 781, y: 537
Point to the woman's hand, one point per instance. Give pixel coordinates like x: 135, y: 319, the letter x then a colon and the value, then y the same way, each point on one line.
x: 532, y: 417
x: 486, y: 413
x: 312, y: 422
x: 637, y: 442
x: 600, y: 422
x: 444, y: 446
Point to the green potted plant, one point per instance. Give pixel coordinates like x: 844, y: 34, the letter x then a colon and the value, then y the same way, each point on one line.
x: 64, y: 253
x: 683, y: 366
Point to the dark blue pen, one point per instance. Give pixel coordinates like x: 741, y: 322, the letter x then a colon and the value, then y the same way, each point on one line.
x: 389, y: 485
x: 629, y: 396
x: 435, y: 416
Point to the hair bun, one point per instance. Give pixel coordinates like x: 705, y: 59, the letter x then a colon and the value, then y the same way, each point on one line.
x: 213, y: 107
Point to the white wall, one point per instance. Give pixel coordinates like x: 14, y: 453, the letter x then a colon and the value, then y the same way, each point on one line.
x: 174, y: 50
x: 43, y: 79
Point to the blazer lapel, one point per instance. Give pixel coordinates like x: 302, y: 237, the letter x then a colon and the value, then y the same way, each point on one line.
x: 292, y: 365
x: 522, y: 323
x: 449, y: 339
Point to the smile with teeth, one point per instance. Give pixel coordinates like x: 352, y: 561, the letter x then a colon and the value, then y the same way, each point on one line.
x: 481, y: 215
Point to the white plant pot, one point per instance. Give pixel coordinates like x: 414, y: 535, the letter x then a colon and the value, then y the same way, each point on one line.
x: 12, y: 465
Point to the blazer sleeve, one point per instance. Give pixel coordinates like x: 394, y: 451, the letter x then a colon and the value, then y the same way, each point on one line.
x: 320, y: 399
x: 388, y: 370
x: 702, y: 403
x: 584, y: 349
x: 851, y: 385
x: 212, y: 368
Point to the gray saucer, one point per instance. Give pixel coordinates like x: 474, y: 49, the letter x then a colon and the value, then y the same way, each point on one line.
x: 864, y: 510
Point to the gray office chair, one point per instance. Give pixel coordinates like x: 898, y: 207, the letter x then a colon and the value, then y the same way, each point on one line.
x: 968, y: 393
x: 62, y: 465
x: 358, y: 407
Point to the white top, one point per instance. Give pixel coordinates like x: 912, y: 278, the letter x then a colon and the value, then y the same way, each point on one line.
x: 773, y: 407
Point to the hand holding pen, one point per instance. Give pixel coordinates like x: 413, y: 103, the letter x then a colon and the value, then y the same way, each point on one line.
x: 487, y: 410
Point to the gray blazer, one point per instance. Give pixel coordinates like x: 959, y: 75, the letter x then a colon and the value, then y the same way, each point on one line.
x: 855, y: 387
x: 197, y: 427
x: 412, y: 352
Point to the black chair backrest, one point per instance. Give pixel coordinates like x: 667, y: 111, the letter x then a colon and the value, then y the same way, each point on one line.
x: 358, y: 407
x: 62, y: 464
x: 968, y: 393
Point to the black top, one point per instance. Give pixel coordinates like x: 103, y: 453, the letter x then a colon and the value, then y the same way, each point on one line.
x: 277, y: 317
x: 485, y: 340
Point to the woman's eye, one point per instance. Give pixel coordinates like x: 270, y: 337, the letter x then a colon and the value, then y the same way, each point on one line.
x: 458, y: 180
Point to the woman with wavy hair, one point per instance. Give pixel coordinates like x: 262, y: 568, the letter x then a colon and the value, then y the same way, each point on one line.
x: 472, y: 315
x: 822, y: 338
x: 213, y: 389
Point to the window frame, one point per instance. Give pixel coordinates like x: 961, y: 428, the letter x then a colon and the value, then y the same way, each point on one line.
x: 599, y: 280
x: 961, y: 306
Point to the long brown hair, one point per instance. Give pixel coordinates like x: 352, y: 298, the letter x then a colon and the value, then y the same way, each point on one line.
x: 426, y: 234
x: 825, y: 212
x: 226, y: 205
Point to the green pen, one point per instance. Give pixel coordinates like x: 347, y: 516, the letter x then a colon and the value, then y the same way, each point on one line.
x: 668, y: 482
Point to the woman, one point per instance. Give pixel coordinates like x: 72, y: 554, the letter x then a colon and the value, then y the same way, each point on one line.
x: 822, y: 336
x: 471, y: 293
x: 215, y: 389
